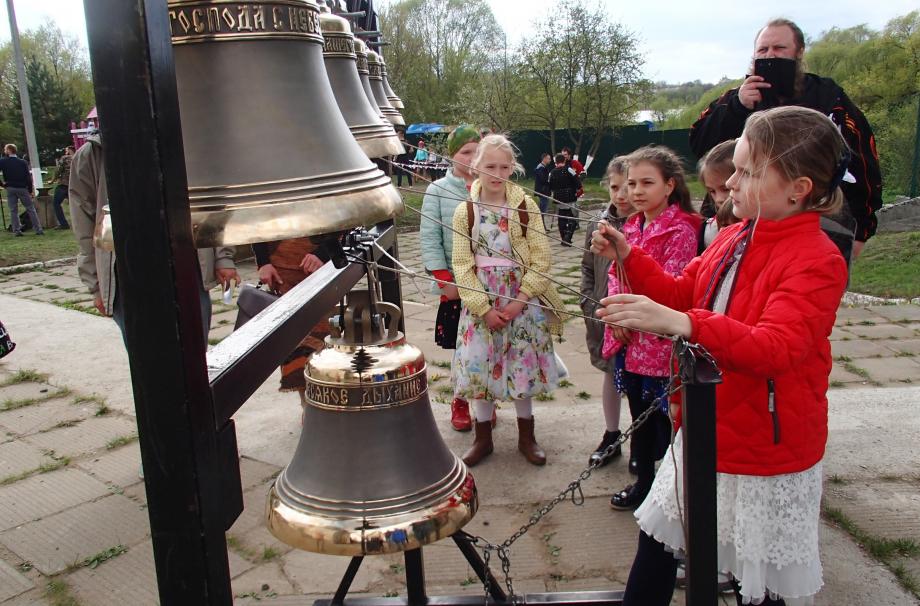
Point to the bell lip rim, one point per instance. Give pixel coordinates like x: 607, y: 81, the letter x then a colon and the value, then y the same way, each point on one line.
x: 282, y: 522
x: 387, y: 199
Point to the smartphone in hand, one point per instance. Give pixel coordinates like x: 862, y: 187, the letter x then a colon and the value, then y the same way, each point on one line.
x: 779, y: 72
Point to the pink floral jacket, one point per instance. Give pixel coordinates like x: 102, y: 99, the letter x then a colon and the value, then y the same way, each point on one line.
x: 671, y: 240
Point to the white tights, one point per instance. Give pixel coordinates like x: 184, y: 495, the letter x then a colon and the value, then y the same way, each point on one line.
x: 483, y: 409
x: 611, y: 401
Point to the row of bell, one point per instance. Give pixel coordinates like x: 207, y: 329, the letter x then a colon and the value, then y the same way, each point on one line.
x: 282, y: 109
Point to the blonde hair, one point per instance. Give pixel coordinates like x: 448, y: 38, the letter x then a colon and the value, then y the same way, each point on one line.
x: 668, y: 164
x: 498, y: 142
x: 800, y: 142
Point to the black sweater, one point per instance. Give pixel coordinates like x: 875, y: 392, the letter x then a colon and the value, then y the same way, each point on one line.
x: 16, y: 172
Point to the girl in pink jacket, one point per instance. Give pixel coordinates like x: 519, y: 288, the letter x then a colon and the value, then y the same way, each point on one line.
x: 666, y: 227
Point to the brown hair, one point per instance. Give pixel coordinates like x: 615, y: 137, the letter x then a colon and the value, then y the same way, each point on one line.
x: 800, y: 142
x: 725, y: 216
x: 9, y: 148
x: 718, y: 159
x: 668, y: 164
x: 617, y: 166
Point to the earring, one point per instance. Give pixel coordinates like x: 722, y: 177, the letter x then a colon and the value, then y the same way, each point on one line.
x: 792, y: 201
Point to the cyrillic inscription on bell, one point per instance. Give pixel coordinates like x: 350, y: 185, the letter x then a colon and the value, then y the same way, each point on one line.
x: 371, y: 474
x: 375, y: 135
x: 268, y: 154
x: 375, y: 76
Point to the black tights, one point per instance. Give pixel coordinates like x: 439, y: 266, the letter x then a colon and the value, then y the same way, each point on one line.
x: 652, y: 576
x: 650, y: 440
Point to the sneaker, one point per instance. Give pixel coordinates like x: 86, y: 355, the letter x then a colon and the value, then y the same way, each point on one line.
x: 62, y: 227
x: 18, y: 234
x: 598, y: 458
x: 40, y: 233
x: 460, y: 415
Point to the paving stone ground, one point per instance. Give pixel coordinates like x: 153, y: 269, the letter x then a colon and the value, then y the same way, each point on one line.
x: 73, y: 509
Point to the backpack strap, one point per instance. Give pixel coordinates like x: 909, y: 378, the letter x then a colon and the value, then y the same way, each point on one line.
x: 524, y: 216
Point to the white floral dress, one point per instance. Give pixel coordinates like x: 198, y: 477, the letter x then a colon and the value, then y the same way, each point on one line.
x: 517, y: 361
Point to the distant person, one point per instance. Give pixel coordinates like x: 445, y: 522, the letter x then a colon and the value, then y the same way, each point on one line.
x: 17, y: 179
x: 564, y: 186
x: 579, y: 169
x: 783, y: 41
x: 402, y: 164
x: 541, y: 181
x: 421, y: 157
x: 62, y: 178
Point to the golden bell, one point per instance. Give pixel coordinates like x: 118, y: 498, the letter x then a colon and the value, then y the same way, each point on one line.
x: 364, y: 76
x: 375, y: 76
x: 394, y: 100
x: 371, y: 474
x: 375, y: 136
x: 268, y: 154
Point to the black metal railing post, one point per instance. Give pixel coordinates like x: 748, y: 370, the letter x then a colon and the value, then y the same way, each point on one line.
x: 699, y: 377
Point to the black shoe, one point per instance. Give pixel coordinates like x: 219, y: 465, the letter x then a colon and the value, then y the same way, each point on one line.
x: 633, y: 465
x: 628, y: 499
x: 62, y: 227
x: 40, y: 233
x: 598, y: 457
x: 18, y: 234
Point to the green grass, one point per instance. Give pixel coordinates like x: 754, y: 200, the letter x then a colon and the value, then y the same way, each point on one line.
x: 30, y: 248
x: 57, y: 591
x: 886, y: 551
x: 103, y: 556
x: 583, y: 395
x: 75, y: 305
x: 25, y: 376
x: 889, y: 266
x: 57, y: 463
x: 120, y: 441
x: 10, y: 404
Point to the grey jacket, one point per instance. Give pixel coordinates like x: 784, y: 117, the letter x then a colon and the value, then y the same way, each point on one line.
x: 594, y: 270
x: 88, y: 194
x: 437, y: 241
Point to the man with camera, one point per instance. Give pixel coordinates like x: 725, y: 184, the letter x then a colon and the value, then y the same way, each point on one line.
x: 778, y: 78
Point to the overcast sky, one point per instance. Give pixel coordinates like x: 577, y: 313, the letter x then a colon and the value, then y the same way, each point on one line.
x: 682, y: 40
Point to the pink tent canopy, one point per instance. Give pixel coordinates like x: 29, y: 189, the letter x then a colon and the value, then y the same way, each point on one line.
x: 92, y: 114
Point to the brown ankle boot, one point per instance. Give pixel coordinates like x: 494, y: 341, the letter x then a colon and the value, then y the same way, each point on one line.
x: 482, y: 444
x: 527, y: 443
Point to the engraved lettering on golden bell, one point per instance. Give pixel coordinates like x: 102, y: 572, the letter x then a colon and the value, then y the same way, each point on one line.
x: 367, y: 395
x: 339, y: 44
x: 201, y: 21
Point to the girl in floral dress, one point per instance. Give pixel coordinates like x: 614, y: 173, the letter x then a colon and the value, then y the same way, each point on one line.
x: 504, y: 340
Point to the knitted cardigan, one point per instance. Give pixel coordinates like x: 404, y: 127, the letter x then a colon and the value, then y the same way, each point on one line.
x: 531, y: 252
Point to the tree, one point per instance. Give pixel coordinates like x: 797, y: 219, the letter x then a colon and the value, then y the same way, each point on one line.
x: 584, y: 74
x: 438, y: 49
x: 60, y: 89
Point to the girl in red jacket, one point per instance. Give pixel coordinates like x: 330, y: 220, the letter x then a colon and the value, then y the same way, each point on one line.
x: 762, y: 299
x: 665, y: 226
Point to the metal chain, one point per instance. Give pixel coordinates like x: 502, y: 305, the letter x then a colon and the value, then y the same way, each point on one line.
x: 573, y: 492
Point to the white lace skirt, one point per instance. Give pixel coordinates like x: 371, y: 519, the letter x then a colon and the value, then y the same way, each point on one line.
x: 767, y: 527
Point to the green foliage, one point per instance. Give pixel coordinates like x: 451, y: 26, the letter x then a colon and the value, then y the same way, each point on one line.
x: 889, y: 266
x: 880, y: 72
x: 60, y: 89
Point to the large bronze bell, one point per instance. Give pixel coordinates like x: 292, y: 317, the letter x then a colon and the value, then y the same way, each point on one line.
x: 268, y: 154
x: 364, y: 76
x: 392, y: 97
x: 371, y: 474
x: 375, y: 136
x: 375, y: 76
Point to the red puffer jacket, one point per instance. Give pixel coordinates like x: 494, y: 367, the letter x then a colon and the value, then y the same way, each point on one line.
x: 773, y: 338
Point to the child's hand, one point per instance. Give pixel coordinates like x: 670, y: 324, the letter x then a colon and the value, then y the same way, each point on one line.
x: 623, y: 335
x: 637, y: 311
x: 495, y: 319
x: 609, y: 242
x: 513, y: 309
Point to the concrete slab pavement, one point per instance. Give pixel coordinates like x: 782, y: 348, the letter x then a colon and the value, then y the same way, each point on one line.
x: 45, y: 516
